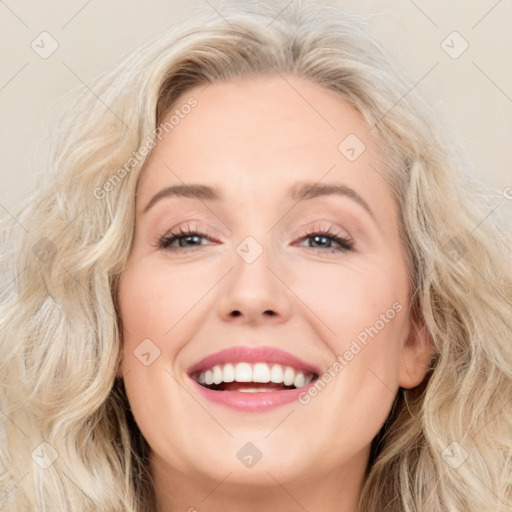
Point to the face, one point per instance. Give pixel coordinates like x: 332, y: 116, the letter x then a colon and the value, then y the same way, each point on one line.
x: 281, y: 246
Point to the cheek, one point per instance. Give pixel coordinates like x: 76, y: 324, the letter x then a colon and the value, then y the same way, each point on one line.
x: 150, y: 303
x: 153, y: 298
x: 146, y: 315
x: 352, y: 297
x: 364, y: 308
x: 160, y: 303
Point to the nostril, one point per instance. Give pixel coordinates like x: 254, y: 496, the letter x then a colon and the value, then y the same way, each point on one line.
x: 267, y: 312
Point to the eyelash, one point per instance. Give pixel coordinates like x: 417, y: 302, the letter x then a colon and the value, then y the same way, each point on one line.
x: 345, y: 244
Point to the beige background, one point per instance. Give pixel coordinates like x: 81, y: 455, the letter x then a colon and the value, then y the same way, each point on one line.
x: 473, y: 91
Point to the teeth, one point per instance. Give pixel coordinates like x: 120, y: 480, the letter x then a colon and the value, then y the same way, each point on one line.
x: 276, y: 374
x: 217, y: 374
x: 289, y: 376
x: 258, y: 372
x: 243, y: 372
x: 300, y: 380
x: 208, y: 378
x: 228, y: 373
x: 261, y: 373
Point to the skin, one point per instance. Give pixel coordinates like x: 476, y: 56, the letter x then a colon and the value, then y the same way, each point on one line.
x: 253, y: 140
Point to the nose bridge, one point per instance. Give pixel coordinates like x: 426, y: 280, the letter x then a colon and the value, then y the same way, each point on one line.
x: 252, y: 291
x: 252, y: 278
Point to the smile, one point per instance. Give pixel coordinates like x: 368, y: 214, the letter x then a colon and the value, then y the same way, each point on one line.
x: 252, y: 378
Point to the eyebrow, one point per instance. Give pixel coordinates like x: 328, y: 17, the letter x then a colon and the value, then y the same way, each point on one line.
x: 305, y: 190
x: 299, y: 192
x: 203, y: 192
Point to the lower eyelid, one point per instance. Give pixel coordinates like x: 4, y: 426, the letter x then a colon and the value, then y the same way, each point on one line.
x: 343, y: 245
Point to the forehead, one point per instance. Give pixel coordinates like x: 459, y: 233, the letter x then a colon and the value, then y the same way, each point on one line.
x: 261, y: 135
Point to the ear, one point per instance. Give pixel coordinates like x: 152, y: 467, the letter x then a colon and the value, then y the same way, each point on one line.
x: 417, y: 352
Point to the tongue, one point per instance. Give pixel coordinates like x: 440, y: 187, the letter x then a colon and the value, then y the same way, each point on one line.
x: 236, y: 386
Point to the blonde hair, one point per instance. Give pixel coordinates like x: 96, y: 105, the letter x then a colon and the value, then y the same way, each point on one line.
x: 446, y: 445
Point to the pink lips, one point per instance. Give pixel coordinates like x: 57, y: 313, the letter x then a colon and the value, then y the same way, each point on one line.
x: 252, y: 355
x: 251, y: 402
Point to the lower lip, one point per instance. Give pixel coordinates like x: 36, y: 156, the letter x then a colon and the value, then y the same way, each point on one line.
x: 251, y: 402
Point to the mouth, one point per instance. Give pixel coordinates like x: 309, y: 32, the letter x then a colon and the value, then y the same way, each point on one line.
x: 247, y: 377
x: 252, y: 378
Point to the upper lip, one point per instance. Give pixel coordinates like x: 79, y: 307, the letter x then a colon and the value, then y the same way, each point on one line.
x: 252, y: 354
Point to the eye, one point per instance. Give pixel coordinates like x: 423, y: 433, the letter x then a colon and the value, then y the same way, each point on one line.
x: 182, y: 239
x: 322, y: 240
x: 325, y: 240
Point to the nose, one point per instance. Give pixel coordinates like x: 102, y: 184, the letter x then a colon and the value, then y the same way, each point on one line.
x: 254, y: 293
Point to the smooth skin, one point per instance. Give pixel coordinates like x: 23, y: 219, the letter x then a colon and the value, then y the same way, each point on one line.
x: 253, y: 140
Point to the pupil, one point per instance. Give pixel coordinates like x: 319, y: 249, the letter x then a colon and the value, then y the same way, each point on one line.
x: 191, y: 239
x: 322, y: 240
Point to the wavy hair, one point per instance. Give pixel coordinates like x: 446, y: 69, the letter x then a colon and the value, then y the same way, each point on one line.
x: 446, y: 445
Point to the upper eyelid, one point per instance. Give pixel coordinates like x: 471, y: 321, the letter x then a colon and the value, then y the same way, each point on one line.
x: 183, y: 231
x: 340, y: 216
x: 302, y: 231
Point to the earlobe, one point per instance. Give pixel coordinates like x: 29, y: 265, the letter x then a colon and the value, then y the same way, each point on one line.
x: 416, y: 356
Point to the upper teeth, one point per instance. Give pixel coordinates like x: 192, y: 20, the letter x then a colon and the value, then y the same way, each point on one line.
x: 259, y: 372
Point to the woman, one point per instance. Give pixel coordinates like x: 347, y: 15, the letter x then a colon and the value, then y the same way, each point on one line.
x: 257, y: 280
